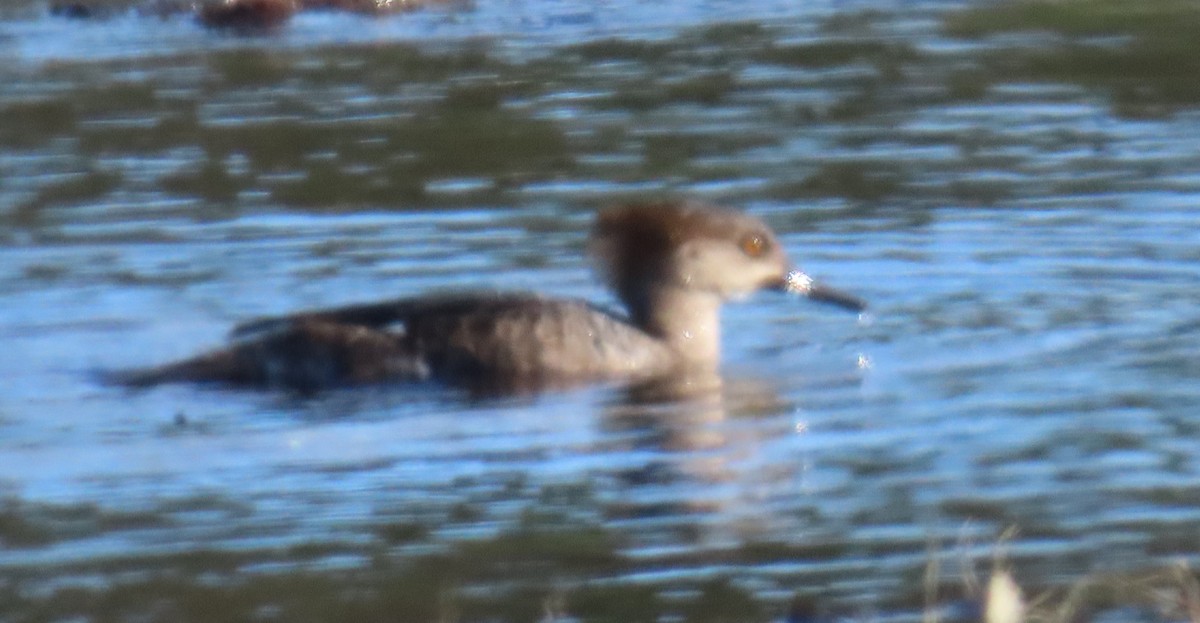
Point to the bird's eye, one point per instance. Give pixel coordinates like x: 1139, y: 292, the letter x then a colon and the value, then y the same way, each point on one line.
x: 754, y: 245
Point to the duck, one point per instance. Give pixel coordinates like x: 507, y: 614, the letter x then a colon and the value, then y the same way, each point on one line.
x: 671, y: 265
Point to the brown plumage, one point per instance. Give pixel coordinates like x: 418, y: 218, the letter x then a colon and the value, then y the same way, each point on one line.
x: 246, y: 14
x: 671, y: 265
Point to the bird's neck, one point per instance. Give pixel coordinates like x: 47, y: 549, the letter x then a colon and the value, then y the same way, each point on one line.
x: 687, y: 320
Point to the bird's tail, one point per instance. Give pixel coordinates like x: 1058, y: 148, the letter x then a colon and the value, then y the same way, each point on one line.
x: 220, y: 366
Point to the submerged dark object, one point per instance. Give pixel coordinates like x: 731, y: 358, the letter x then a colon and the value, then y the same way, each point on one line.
x: 672, y: 265
x: 73, y: 10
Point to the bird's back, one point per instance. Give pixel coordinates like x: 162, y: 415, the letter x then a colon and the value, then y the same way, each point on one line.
x: 478, y: 340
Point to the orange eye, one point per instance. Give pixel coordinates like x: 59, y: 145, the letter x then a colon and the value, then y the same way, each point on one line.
x: 753, y: 245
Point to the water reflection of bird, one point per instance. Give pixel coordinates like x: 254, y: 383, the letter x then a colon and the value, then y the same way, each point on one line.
x: 247, y: 16
x: 671, y: 265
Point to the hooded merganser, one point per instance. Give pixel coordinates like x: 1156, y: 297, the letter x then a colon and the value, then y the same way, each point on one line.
x: 671, y: 264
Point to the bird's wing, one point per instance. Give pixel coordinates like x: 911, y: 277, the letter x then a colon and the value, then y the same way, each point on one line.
x: 391, y: 314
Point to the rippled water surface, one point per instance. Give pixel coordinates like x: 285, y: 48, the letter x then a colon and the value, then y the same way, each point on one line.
x: 1021, y: 216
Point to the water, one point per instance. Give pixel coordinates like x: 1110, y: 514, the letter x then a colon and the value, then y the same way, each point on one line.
x: 1027, y: 242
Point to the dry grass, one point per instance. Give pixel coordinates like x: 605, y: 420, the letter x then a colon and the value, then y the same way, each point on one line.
x: 1170, y: 593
